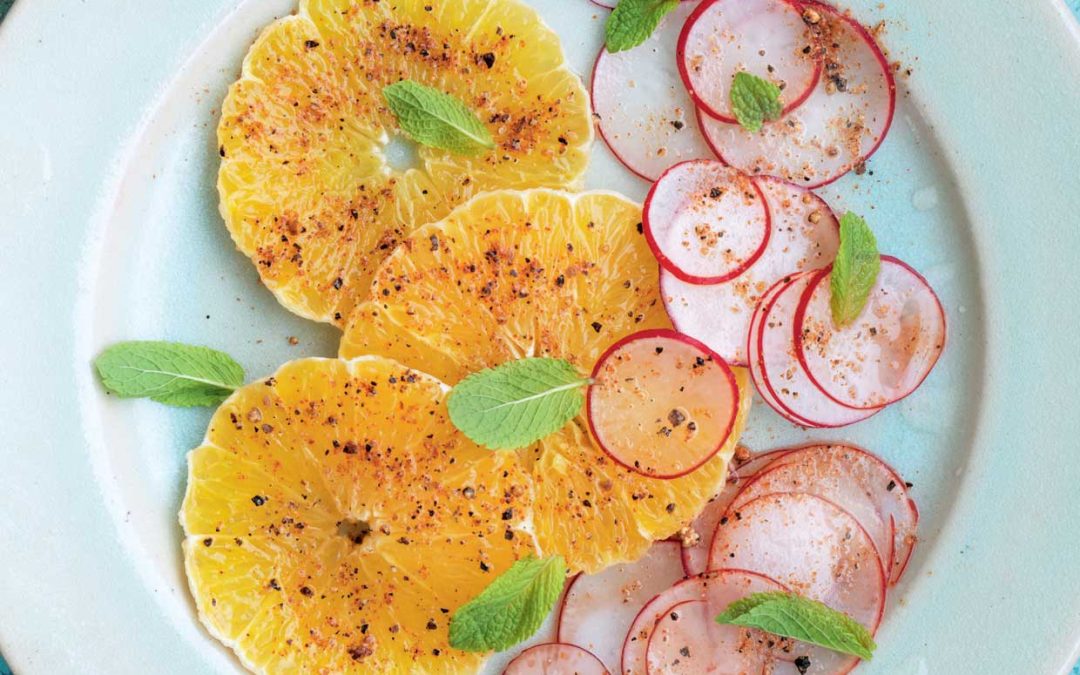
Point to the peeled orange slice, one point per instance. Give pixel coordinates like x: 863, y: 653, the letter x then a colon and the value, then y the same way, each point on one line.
x: 542, y: 273
x: 334, y: 519
x: 318, y: 183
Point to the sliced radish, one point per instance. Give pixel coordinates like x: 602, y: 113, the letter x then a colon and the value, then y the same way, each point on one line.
x: 718, y: 589
x: 886, y: 353
x: 661, y: 403
x: 779, y: 372
x: 706, y: 223
x: 555, y: 658
x: 644, y: 113
x: 599, y: 608
x: 839, y: 126
x: 845, y: 475
x: 766, y: 38
x: 606, y: 4
x: 686, y: 639
x: 695, y: 557
x: 805, y: 235
x: 815, y: 549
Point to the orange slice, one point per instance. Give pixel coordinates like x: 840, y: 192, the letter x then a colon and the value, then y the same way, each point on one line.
x: 334, y: 519
x: 542, y: 273
x: 317, y: 182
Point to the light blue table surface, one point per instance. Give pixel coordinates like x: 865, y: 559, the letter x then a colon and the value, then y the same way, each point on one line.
x: 5, y: 5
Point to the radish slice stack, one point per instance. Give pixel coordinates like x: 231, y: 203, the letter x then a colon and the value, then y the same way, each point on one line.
x: 827, y: 522
x: 838, y: 127
x: 591, y: 619
x: 804, y: 235
x: 766, y: 38
x: 886, y: 353
x: 643, y: 111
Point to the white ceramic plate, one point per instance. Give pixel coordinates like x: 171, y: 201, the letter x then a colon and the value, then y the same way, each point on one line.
x: 109, y: 230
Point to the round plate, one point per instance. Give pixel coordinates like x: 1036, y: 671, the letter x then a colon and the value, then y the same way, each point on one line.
x: 110, y: 231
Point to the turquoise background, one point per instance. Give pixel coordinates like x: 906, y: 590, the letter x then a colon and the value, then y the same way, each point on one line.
x: 5, y: 5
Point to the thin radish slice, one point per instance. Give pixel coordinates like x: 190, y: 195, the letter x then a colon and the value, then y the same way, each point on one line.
x: 661, y: 404
x: 854, y: 481
x: 886, y: 353
x: 695, y: 551
x: 766, y: 38
x: 847, y: 475
x: 706, y: 223
x: 687, y: 640
x: 555, y: 658
x: 644, y: 113
x: 606, y: 4
x: 599, y: 608
x: 754, y: 354
x: 814, y: 548
x: 837, y: 128
x: 805, y: 236
x: 783, y: 376
x: 717, y: 588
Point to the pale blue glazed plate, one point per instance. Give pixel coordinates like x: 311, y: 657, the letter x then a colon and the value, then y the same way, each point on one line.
x: 109, y: 230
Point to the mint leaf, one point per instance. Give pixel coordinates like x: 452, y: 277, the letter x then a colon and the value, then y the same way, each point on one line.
x: 793, y: 616
x: 511, y: 608
x: 754, y: 101
x: 436, y: 119
x: 633, y: 21
x: 517, y: 403
x: 169, y: 372
x: 854, y: 271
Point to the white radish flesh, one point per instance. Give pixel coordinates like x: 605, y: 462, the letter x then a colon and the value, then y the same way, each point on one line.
x: 815, y: 549
x: 886, y: 353
x: 779, y: 372
x: 554, y: 658
x: 839, y: 126
x: 765, y: 38
x: 599, y: 608
x: 705, y: 222
x: 661, y: 404
x: 718, y: 588
x: 695, y: 557
x: 644, y: 113
x: 805, y: 236
x: 687, y: 641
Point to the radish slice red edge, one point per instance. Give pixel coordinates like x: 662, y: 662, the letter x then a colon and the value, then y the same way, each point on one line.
x: 599, y: 608
x: 805, y: 236
x: 705, y: 222
x: 555, y: 658
x: 814, y: 145
x: 606, y: 4
x: 886, y: 353
x: 661, y: 404
x: 778, y: 373
x: 718, y: 588
x: 643, y: 111
x: 766, y: 38
x: 853, y: 479
x: 695, y: 558
x: 815, y: 549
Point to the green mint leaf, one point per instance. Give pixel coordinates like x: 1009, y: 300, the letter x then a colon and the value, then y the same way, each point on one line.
x: 511, y: 608
x: 855, y: 270
x: 436, y: 119
x: 633, y: 21
x: 169, y: 372
x: 793, y: 616
x: 517, y: 403
x: 754, y: 101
